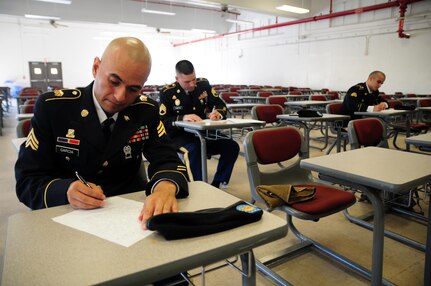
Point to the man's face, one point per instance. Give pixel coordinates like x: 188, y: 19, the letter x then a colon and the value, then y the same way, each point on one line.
x: 375, y: 82
x: 118, y: 81
x: 187, y: 82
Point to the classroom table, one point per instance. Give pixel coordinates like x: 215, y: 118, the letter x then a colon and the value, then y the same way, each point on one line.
x: 17, y: 142
x: 40, y: 251
x: 21, y: 99
x: 304, y: 122
x: 23, y: 116
x: 204, y: 126
x: 420, y: 140
x: 249, y: 99
x: 373, y: 170
x: 387, y: 114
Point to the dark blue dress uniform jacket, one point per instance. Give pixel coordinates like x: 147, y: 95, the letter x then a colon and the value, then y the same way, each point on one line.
x: 175, y: 103
x: 67, y: 137
x: 358, y: 98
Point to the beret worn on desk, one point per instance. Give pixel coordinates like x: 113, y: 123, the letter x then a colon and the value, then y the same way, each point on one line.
x: 203, y: 222
x: 309, y: 113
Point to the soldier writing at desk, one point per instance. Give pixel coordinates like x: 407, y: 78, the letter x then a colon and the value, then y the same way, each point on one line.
x: 190, y: 99
x: 365, y: 96
x: 70, y: 134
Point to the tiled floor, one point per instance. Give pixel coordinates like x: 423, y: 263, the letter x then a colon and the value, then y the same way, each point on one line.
x: 403, y: 265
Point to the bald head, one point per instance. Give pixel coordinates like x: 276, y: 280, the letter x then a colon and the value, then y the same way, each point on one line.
x: 120, y: 73
x: 131, y: 47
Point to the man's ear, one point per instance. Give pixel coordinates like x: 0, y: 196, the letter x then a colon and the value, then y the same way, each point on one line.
x: 96, y: 65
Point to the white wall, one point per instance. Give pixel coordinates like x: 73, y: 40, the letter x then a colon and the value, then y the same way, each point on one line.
x: 332, y: 53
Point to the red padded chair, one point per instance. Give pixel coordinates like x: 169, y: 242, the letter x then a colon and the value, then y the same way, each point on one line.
x: 27, y: 108
x: 267, y: 113
x: 277, y: 99
x: 318, y: 97
x: 228, y: 96
x: 385, y: 96
x: 23, y: 128
x: 335, y: 108
x: 367, y: 132
x: 333, y: 95
x: 425, y: 117
x: 264, y: 93
x: 295, y: 93
x: 411, y: 95
x: 272, y: 147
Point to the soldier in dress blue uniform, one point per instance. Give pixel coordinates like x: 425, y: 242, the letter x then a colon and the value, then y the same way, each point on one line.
x: 67, y: 137
x: 191, y: 99
x: 365, y: 96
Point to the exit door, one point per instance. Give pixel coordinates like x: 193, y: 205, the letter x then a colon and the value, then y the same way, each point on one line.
x: 46, y: 75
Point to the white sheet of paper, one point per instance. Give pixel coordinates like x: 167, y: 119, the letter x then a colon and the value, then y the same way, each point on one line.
x: 117, y: 221
x: 240, y: 120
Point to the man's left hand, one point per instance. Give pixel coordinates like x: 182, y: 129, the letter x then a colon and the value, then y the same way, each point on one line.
x: 162, y: 200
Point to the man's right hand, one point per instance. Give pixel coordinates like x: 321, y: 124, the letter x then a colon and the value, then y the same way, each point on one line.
x: 82, y: 197
x: 192, y: 118
x: 379, y: 107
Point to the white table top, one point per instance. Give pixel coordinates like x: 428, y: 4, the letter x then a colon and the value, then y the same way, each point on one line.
x: 242, y: 105
x: 380, y: 168
x: 22, y: 116
x: 17, y: 142
x: 421, y: 140
x: 219, y: 124
x: 307, y: 103
x: 40, y: 251
x: 383, y: 113
x: 325, y: 117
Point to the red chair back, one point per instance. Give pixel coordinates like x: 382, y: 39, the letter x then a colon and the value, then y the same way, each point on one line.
x: 425, y: 102
x: 368, y: 131
x: 275, y: 145
x: 227, y: 96
x: 280, y: 100
x: 264, y: 93
x: 268, y: 113
x: 318, y: 97
x: 392, y: 103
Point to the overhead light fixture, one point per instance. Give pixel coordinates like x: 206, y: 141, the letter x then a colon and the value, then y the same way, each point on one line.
x: 239, y: 22
x: 67, y: 2
x: 41, y: 17
x: 144, y: 10
x: 132, y: 24
x: 293, y: 9
x: 204, y: 31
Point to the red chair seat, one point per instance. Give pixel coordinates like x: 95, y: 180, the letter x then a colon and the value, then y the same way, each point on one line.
x: 326, y: 200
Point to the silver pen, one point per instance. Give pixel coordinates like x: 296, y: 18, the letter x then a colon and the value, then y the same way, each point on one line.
x: 82, y: 179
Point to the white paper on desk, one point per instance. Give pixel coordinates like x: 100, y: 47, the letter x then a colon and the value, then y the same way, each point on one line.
x: 117, y: 221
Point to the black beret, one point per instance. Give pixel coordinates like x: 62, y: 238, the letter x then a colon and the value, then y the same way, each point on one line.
x: 203, y: 222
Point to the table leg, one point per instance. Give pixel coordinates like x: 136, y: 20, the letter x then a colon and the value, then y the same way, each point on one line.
x: 248, y: 267
x: 427, y: 272
x: 203, y: 153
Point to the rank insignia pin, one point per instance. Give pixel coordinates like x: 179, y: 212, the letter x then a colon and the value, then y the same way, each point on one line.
x: 127, y: 152
x: 70, y: 133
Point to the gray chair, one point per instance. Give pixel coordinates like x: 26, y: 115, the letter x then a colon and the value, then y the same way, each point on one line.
x: 273, y: 157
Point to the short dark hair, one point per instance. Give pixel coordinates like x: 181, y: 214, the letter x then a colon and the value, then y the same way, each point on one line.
x: 184, y: 67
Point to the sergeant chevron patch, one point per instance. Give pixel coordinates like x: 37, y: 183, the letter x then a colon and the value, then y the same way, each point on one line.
x: 32, y: 141
x: 161, y: 129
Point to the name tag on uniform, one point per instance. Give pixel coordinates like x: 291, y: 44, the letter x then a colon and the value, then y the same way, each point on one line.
x: 67, y: 150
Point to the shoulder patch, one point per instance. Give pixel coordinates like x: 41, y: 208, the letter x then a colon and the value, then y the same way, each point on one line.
x: 214, y: 92
x: 60, y: 94
x: 354, y: 94
x: 168, y: 87
x: 162, y: 109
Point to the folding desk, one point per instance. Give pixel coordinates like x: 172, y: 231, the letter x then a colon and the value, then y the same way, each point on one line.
x: 40, y: 251
x: 373, y: 170
x: 23, y: 116
x: 199, y: 129
x: 249, y: 99
x: 304, y: 121
x: 420, y: 140
x: 20, y: 99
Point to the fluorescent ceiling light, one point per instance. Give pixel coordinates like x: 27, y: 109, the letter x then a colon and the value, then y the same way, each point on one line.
x: 144, y: 10
x: 240, y: 21
x: 132, y: 24
x: 41, y: 17
x: 293, y: 9
x: 67, y: 2
x: 204, y: 31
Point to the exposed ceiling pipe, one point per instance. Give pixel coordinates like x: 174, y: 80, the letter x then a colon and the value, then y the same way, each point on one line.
x: 403, y: 8
x: 313, y: 19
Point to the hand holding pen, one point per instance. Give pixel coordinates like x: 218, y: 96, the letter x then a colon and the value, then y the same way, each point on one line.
x: 84, y: 195
x: 215, y: 115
